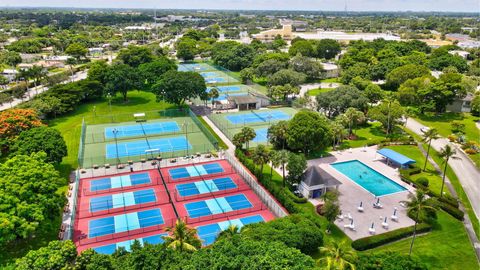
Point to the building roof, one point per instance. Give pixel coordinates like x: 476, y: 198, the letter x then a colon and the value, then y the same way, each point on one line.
x: 395, y: 157
x: 315, y: 176
x: 243, y: 99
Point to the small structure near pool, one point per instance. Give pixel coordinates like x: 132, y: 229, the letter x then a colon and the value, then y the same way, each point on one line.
x: 316, y: 181
x: 395, y: 157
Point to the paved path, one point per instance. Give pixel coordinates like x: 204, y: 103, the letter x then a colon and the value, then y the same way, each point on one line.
x: 467, y: 173
x: 231, y: 147
x: 32, y: 92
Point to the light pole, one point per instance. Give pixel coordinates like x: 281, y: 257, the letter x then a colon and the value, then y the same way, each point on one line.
x: 185, y: 124
x: 115, y: 131
x: 109, y: 97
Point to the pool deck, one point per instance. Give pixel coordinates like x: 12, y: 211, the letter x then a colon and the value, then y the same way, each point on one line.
x: 351, y: 194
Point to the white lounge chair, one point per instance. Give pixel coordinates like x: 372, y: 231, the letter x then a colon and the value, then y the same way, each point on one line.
x: 371, y: 230
x: 340, y: 217
x: 349, y: 216
x: 394, y: 218
x: 385, y: 225
x: 360, y: 209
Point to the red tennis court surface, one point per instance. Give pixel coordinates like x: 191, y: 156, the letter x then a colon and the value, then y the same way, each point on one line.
x: 112, y: 209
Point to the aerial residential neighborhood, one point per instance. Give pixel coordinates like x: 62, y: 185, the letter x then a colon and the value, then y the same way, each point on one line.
x: 240, y: 135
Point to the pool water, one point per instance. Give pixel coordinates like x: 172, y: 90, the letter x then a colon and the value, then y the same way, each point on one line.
x: 368, y: 178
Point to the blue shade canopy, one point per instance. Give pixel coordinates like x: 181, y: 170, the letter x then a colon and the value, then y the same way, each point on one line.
x: 395, y: 157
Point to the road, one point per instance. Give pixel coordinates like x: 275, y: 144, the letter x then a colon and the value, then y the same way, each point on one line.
x: 40, y: 89
x: 464, y: 168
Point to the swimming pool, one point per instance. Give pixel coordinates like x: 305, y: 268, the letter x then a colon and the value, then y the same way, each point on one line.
x: 368, y: 178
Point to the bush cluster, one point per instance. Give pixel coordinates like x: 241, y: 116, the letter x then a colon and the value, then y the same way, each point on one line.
x: 385, y: 238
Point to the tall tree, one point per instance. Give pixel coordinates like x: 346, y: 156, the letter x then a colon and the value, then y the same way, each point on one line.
x: 186, y: 48
x: 77, y: 51
x: 56, y: 255
x: 353, y: 117
x: 176, y: 87
x: 260, y: 156
x: 297, y: 163
x: 122, y: 78
x: 182, y: 237
x: 28, y: 192
x: 13, y: 122
x: 248, y: 134
x: 277, y: 134
x: 338, y: 256
x: 134, y: 56
x: 446, y: 153
x: 428, y: 137
x: 388, y: 113
x: 150, y: 72
x: 46, y: 139
x: 419, y: 206
x: 308, y: 131
x: 331, y: 208
x: 213, y: 94
x: 280, y: 158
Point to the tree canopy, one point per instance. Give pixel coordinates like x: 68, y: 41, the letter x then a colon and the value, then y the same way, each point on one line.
x: 308, y: 131
x: 176, y: 86
x: 28, y: 195
x: 45, y: 139
x: 335, y: 102
x: 13, y: 122
x: 135, y: 55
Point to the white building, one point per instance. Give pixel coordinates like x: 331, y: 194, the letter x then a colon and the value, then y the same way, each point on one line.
x: 463, y: 54
x: 316, y: 181
x: 346, y: 37
x: 331, y: 70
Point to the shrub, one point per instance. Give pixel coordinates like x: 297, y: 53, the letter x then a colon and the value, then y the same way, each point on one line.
x: 453, y: 211
x: 385, y: 238
x: 450, y: 200
x: 423, y: 181
x: 452, y: 138
x: 471, y: 151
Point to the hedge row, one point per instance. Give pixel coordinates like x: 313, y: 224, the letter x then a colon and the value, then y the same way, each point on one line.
x: 385, y: 238
x: 453, y: 211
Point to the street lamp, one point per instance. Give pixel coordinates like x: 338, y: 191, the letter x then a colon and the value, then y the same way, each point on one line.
x: 115, y: 132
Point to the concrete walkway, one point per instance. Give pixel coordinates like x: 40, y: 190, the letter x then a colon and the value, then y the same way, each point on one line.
x: 464, y: 168
x: 32, y: 92
x: 231, y: 147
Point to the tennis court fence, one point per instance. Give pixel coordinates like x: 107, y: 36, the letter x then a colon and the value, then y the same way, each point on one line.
x: 69, y: 231
x: 211, y: 194
x: 225, y: 172
x: 266, y: 197
x: 81, y: 146
x: 205, y: 130
x: 225, y: 214
x: 110, y: 118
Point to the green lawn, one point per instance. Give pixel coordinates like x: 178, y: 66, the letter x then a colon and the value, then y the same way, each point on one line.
x: 221, y: 143
x: 443, y: 124
x: 70, y: 127
x: 446, y: 247
x: 315, y: 92
x: 412, y: 151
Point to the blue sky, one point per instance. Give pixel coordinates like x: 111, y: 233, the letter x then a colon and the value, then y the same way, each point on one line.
x: 353, y: 5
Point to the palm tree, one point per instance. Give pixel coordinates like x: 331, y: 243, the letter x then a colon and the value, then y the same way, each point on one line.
x: 248, y: 135
x: 181, y: 237
x: 338, y: 256
x: 213, y: 94
x: 418, y: 205
x: 338, y: 132
x: 231, y: 231
x: 261, y: 156
x: 428, y: 137
x: 331, y: 208
x: 37, y: 73
x: 353, y: 116
x: 446, y: 153
x: 389, y: 99
x: 280, y: 158
x: 277, y: 133
x: 238, y: 140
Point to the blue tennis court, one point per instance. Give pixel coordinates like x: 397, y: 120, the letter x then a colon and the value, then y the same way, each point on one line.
x: 192, y: 67
x: 208, y: 233
x: 196, y: 170
x: 210, y: 74
x: 217, y: 205
x: 206, y: 186
x: 262, y: 135
x: 253, y: 117
x: 226, y: 88
x: 125, y: 222
x: 137, y: 148
x: 120, y: 181
x: 122, y: 200
x: 141, y: 129
x: 110, y: 249
x: 215, y: 80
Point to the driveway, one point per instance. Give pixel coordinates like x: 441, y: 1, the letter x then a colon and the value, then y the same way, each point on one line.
x: 464, y: 168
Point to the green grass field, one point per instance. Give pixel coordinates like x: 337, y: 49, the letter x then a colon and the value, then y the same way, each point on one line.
x: 315, y: 92
x: 443, y: 124
x: 446, y: 247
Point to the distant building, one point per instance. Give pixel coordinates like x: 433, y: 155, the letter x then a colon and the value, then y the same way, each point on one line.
x: 331, y: 70
x: 463, y: 54
x: 10, y: 74
x: 346, y: 37
x: 469, y: 44
x: 138, y: 28
x: 269, y: 35
x: 462, y: 104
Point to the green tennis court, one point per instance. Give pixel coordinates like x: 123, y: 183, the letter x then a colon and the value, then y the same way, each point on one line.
x: 133, y: 141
